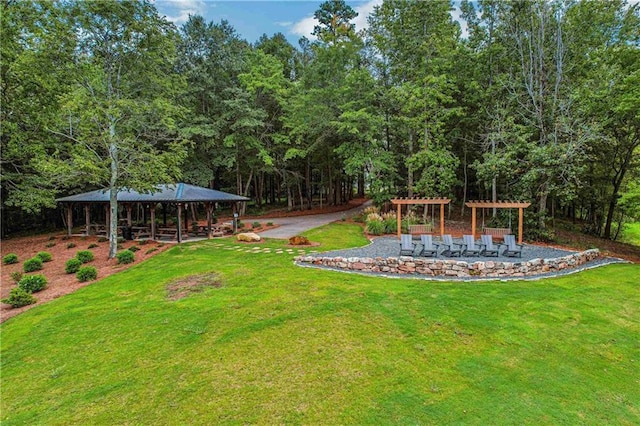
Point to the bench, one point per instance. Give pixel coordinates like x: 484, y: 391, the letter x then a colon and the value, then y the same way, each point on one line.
x: 420, y: 229
x: 496, y: 232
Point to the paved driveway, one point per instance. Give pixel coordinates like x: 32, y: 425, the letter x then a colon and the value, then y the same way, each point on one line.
x: 292, y: 226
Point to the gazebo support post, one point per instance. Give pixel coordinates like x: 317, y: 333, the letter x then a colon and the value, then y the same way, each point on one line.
x: 179, y: 222
x: 186, y: 217
x: 69, y: 219
x: 473, y: 221
x: 129, y: 207
x: 209, y: 208
x: 107, y: 212
x: 152, y: 211
x: 441, y: 219
x: 520, y: 220
x: 87, y: 219
x: 399, y: 219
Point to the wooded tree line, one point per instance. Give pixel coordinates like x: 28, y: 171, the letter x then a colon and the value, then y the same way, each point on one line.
x: 539, y: 102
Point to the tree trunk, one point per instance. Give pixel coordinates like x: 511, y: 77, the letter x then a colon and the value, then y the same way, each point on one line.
x: 113, y: 196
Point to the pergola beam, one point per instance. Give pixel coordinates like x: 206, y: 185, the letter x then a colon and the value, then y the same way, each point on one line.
x: 520, y: 205
x: 424, y: 201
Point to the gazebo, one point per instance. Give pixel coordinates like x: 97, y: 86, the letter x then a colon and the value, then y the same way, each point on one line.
x: 499, y: 205
x: 179, y: 194
x: 424, y: 201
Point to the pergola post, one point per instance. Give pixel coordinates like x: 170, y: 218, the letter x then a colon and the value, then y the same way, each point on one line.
x: 399, y: 219
x: 520, y: 205
x: 87, y: 219
x: 186, y: 217
x: 69, y: 219
x: 473, y: 221
x: 152, y: 211
x: 441, y: 220
x: 179, y: 222
x: 520, y: 220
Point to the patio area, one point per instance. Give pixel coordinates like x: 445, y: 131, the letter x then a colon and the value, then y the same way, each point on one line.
x: 381, y: 257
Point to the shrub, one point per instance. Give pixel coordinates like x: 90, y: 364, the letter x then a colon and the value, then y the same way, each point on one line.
x: 87, y: 273
x: 71, y: 245
x: 102, y: 239
x: 84, y: 256
x: 299, y: 240
x: 45, y: 256
x: 125, y: 256
x: 92, y: 246
x: 65, y: 237
x: 151, y: 250
x: 240, y: 224
x: 371, y: 209
x: 269, y: 223
x: 143, y: 242
x: 16, y: 276
x: 119, y: 240
x: 52, y: 237
x: 18, y: 298
x: 375, y: 227
x: 390, y: 222
x: 255, y: 224
x: 33, y: 283
x: 33, y: 264
x: 134, y: 248
x: 72, y: 266
x: 51, y: 244
x: 10, y: 259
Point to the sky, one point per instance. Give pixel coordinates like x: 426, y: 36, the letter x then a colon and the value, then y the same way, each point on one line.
x: 252, y: 18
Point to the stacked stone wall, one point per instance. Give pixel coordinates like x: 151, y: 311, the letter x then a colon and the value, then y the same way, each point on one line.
x: 452, y: 267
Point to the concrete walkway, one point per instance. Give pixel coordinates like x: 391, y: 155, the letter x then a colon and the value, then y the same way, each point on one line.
x: 292, y: 226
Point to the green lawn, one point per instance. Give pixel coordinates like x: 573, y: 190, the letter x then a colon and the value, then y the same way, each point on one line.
x: 276, y: 344
x: 631, y: 233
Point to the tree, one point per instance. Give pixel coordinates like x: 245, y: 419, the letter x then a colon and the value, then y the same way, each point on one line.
x: 120, y: 117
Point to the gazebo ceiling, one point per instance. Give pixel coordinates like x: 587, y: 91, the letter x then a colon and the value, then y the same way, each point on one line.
x: 176, y: 193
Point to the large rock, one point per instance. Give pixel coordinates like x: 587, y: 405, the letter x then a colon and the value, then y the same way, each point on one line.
x: 299, y: 240
x: 249, y: 237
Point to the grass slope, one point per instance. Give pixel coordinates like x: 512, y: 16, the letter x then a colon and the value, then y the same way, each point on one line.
x: 282, y: 344
x: 631, y: 233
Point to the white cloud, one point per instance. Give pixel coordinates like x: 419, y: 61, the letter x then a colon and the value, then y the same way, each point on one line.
x: 284, y: 24
x: 179, y: 10
x: 456, y: 14
x: 304, y: 27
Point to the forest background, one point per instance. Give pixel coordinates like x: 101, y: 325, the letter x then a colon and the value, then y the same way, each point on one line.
x: 540, y: 102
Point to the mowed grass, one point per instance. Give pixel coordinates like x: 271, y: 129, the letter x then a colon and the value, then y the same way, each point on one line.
x: 631, y: 233
x: 276, y: 343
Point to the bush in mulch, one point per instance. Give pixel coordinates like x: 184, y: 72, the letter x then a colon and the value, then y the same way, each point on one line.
x: 125, y: 256
x: 33, y: 283
x: 45, y: 256
x: 19, y: 298
x: 84, y: 256
x: 87, y: 273
x: 33, y: 264
x: 72, y: 266
x: 10, y: 259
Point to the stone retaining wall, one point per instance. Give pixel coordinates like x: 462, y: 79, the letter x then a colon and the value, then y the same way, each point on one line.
x: 453, y: 268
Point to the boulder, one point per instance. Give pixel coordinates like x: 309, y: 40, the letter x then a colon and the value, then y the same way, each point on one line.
x: 299, y: 240
x: 248, y: 237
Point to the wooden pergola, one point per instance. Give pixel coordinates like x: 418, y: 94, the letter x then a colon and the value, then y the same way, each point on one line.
x: 498, y: 205
x: 424, y: 201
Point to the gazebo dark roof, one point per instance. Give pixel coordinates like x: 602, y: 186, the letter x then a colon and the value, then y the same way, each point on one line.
x: 178, y: 193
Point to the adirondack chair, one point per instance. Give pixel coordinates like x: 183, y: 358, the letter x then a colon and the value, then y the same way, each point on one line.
x: 407, y: 246
x: 512, y: 249
x: 489, y: 249
x: 428, y: 248
x: 470, y: 246
x: 450, y: 248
